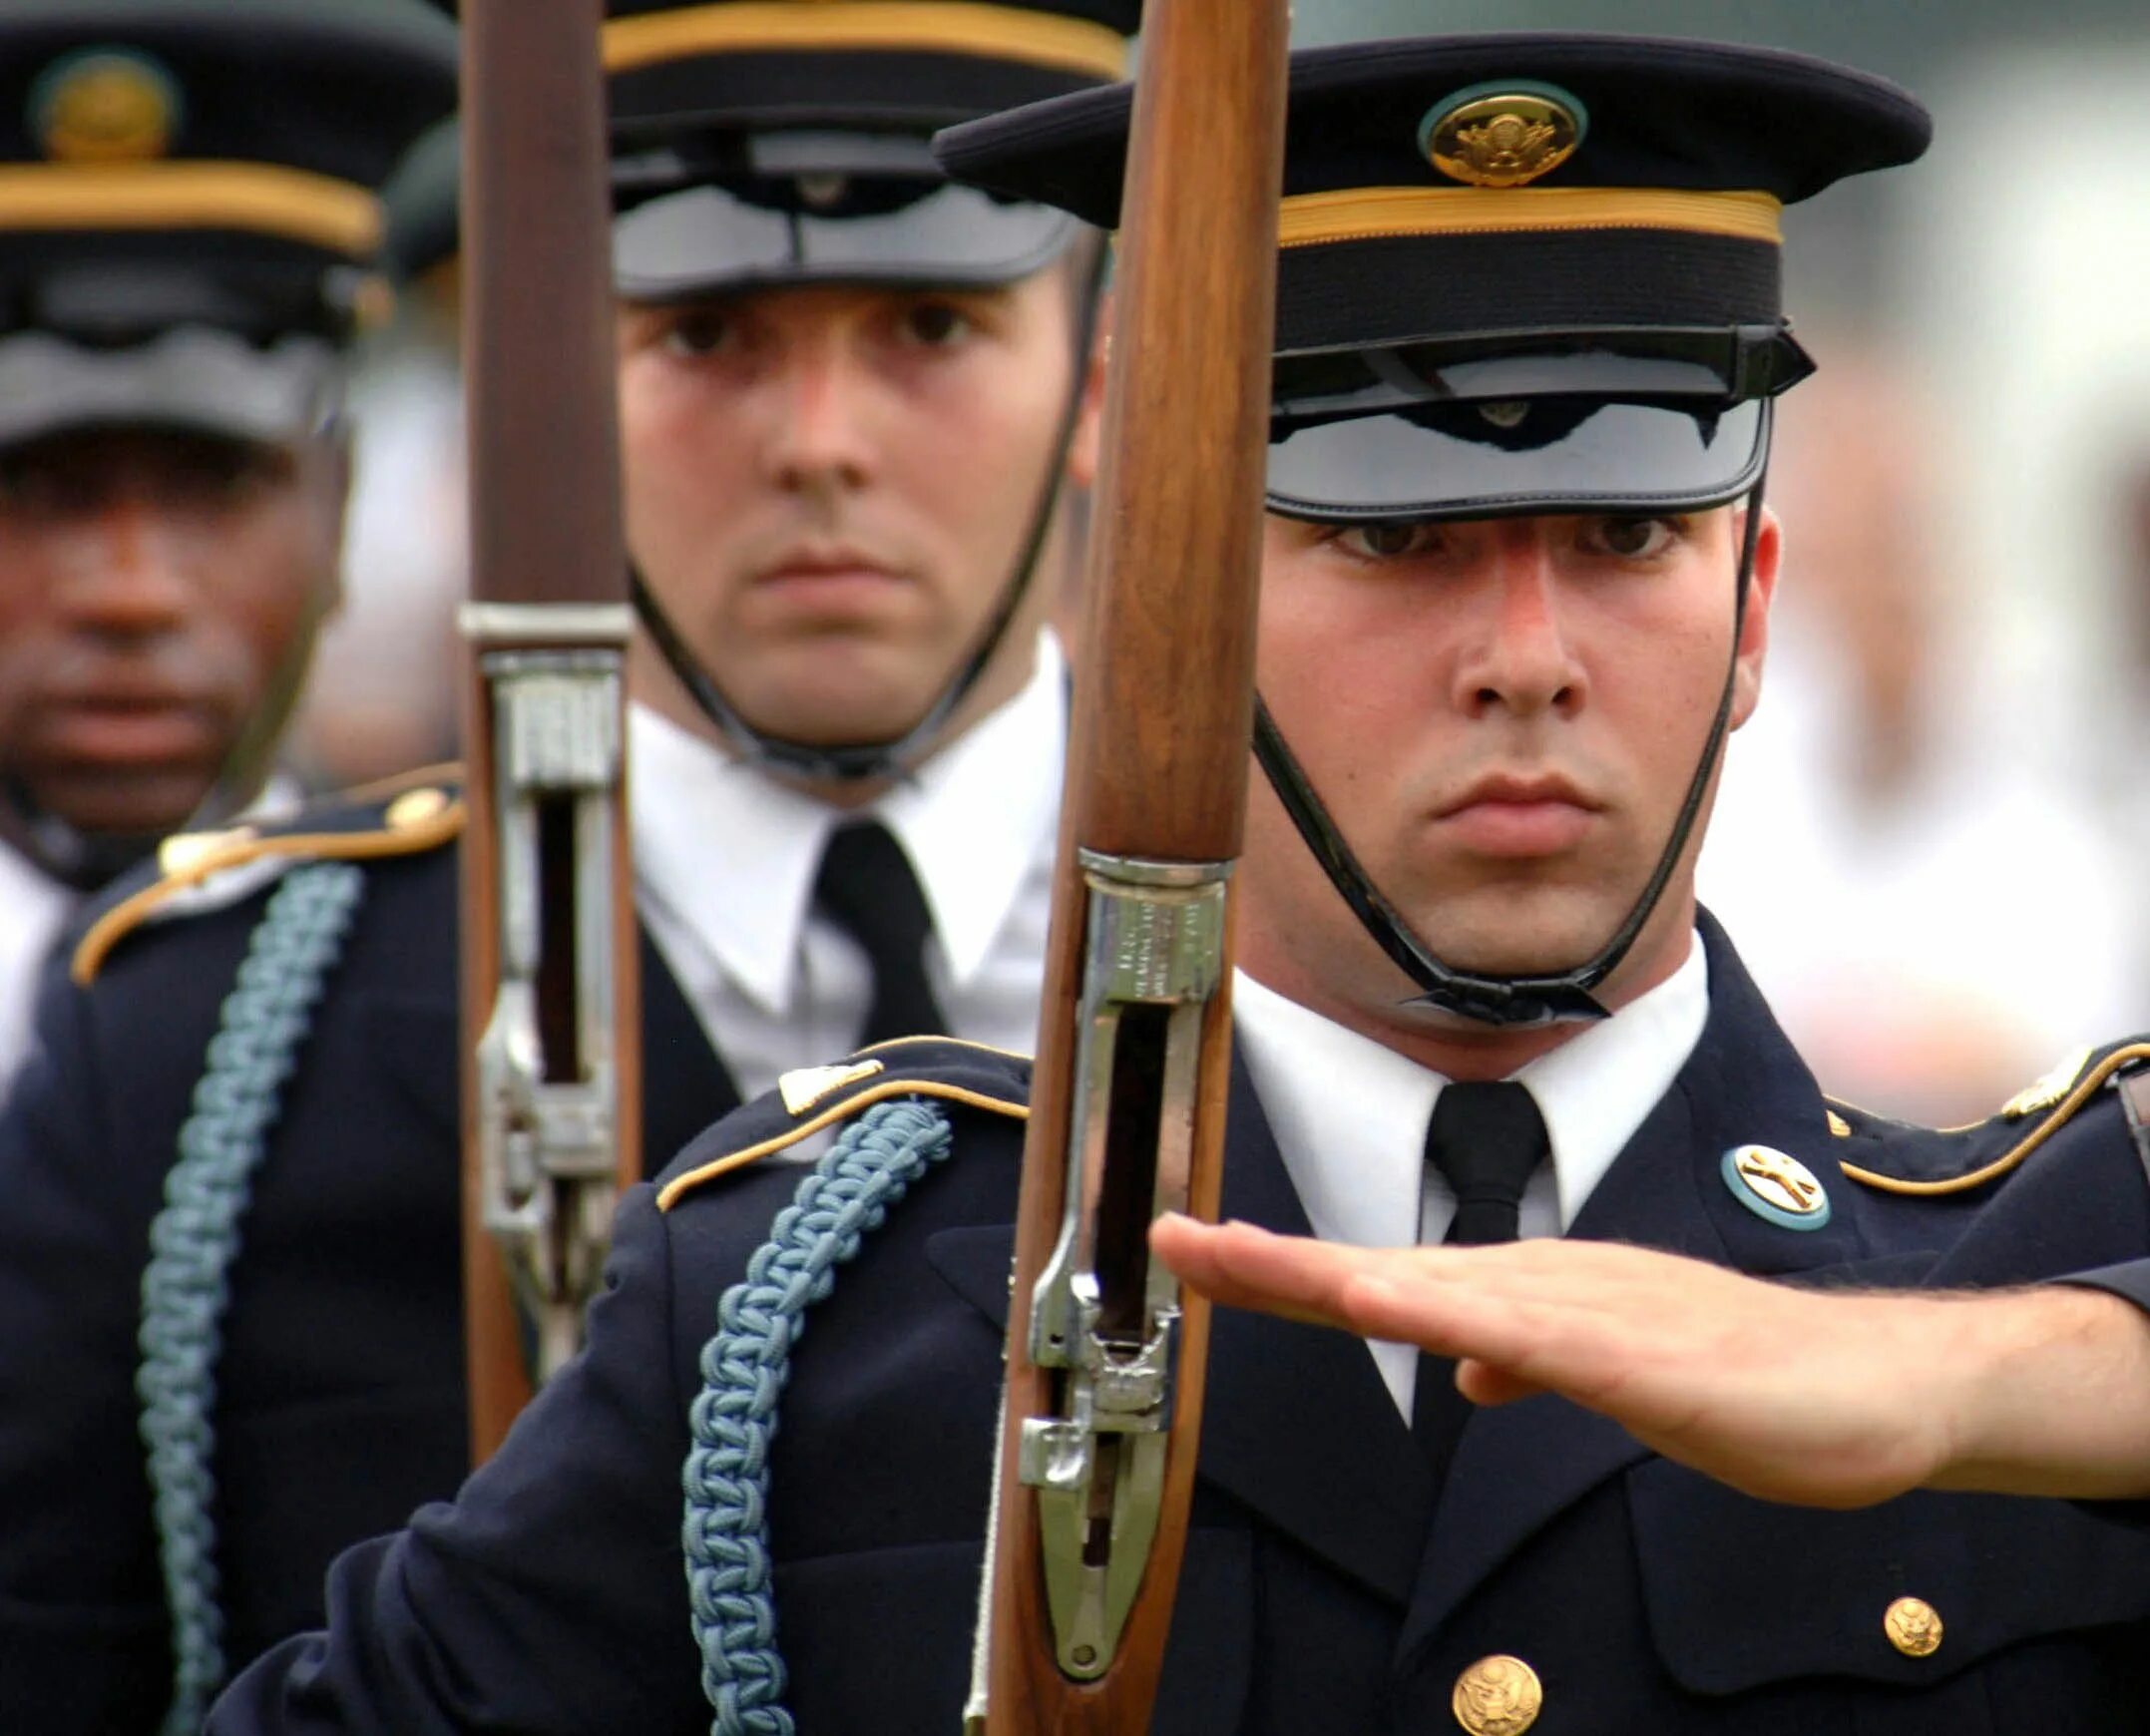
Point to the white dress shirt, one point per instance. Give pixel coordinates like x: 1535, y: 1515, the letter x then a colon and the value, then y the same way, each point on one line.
x: 33, y: 909
x: 724, y: 865
x: 1350, y: 1118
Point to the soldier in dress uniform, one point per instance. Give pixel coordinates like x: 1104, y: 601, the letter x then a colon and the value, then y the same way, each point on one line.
x: 1517, y: 581
x: 850, y: 392
x: 191, y: 247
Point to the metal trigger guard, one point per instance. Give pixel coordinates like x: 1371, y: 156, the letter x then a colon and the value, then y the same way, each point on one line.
x: 547, y: 1142
x: 1155, y: 936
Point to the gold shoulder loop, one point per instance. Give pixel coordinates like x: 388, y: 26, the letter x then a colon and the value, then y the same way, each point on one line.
x: 804, y: 1086
x: 2049, y: 1086
x: 420, y: 819
x: 2088, y: 1082
x: 880, y: 1091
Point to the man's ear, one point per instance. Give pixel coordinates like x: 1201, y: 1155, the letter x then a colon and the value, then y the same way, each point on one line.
x: 1088, y: 441
x: 1754, y: 627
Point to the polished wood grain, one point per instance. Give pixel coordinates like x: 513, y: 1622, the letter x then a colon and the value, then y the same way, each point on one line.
x: 545, y: 517
x: 1164, y: 702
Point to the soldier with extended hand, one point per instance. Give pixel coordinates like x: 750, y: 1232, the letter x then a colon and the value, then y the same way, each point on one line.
x: 1516, y: 587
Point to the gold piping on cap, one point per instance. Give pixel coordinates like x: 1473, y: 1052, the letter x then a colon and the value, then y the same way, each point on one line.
x: 942, y: 26
x: 1368, y: 213
x: 266, y: 197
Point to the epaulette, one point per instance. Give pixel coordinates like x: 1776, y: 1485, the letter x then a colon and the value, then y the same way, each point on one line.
x: 1899, y: 1157
x: 199, y: 872
x: 809, y: 1099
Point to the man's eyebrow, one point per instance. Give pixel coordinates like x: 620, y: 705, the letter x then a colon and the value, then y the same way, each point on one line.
x: 954, y: 291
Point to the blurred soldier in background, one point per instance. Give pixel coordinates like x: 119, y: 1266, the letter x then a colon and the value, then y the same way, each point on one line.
x: 850, y: 392
x: 382, y: 697
x: 189, y: 237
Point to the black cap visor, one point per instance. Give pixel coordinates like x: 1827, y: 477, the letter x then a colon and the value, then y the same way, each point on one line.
x: 809, y: 207
x: 1649, y: 421
x: 193, y: 380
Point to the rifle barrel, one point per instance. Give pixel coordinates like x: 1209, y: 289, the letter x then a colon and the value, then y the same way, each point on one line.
x: 1106, y: 1358
x: 551, y: 1083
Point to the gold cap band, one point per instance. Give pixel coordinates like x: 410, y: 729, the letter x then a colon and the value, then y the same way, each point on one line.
x: 264, y: 197
x: 934, y: 26
x: 1368, y: 213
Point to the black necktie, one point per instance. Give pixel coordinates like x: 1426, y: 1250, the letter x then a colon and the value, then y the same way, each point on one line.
x: 869, y: 891
x: 1485, y: 1140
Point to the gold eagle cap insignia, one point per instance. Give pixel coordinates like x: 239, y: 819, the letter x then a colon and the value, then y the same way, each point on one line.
x: 1507, y: 139
x: 105, y: 104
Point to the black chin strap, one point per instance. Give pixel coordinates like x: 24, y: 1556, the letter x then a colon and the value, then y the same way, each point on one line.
x: 878, y: 761
x: 1511, y: 1002
x: 80, y: 861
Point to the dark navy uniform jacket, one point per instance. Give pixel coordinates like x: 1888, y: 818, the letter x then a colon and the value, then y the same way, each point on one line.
x: 341, y: 1401
x: 1328, y: 1587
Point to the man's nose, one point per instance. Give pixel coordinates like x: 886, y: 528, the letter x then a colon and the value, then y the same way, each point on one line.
x: 1522, y: 658
x: 820, y: 442
x: 127, y: 571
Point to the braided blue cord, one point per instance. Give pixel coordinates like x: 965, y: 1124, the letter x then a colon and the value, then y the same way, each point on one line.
x: 194, y: 1240
x: 744, y: 1369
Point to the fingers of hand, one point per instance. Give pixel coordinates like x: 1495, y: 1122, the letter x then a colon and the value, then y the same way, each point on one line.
x: 1242, y: 1266
x: 1484, y: 1384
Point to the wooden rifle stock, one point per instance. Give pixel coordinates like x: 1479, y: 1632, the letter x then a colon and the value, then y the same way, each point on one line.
x: 550, y: 1085
x: 1127, y: 1107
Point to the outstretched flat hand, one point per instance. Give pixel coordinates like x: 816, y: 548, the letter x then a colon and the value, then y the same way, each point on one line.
x: 1826, y: 1398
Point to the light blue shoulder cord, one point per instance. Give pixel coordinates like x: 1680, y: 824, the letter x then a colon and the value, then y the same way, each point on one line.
x: 194, y: 1240
x: 744, y: 1369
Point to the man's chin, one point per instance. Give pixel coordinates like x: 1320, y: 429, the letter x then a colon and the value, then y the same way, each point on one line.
x: 1504, y: 937
x: 129, y: 804
x: 835, y: 724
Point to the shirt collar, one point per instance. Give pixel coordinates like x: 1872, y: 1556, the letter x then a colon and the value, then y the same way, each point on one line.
x: 732, y: 853
x: 29, y: 895
x: 1349, y: 1115
x: 1596, y: 1090
x: 1358, y: 1172
x: 982, y: 811
x: 726, y: 852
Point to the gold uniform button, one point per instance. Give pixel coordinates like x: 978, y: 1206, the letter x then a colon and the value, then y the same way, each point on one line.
x: 1913, y: 1626
x: 1497, y: 1697
x: 414, y: 807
